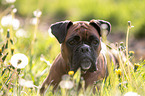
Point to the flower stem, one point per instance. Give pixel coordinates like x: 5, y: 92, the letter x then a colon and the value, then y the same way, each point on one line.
x: 34, y: 36
x: 127, y: 35
x: 127, y: 57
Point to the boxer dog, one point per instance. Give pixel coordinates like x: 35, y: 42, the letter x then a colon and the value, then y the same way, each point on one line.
x: 80, y: 48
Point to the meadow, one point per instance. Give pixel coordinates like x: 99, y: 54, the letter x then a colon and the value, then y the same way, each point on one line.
x: 27, y: 48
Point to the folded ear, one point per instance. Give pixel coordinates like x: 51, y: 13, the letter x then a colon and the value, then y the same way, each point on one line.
x: 98, y: 24
x: 59, y: 30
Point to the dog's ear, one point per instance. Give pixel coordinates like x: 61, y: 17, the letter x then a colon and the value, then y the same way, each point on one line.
x: 59, y: 30
x: 98, y: 24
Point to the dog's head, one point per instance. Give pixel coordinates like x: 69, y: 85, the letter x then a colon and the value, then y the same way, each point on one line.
x: 81, y: 42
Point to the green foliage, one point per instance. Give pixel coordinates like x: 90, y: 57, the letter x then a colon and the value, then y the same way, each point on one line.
x: 41, y: 49
x: 115, y: 11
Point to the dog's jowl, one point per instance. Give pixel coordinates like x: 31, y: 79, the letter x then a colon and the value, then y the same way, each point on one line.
x: 80, y: 48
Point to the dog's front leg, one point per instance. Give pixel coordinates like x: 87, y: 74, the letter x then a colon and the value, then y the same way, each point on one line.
x: 57, y: 70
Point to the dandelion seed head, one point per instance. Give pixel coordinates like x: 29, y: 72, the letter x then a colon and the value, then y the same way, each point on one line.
x: 6, y: 20
x: 26, y: 83
x: 34, y: 21
x: 67, y: 84
x: 131, y: 94
x: 19, y: 60
x: 9, y: 20
x: 37, y: 13
x: 10, y: 1
x: 14, y: 10
x: 15, y: 24
x: 21, y: 33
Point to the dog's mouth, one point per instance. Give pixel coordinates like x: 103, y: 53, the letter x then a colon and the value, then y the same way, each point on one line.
x: 85, y: 61
x: 85, y: 64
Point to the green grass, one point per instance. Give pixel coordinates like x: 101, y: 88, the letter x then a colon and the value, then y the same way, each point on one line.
x: 38, y: 45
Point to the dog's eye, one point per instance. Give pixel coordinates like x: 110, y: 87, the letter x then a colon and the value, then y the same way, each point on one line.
x: 77, y: 38
x: 72, y: 42
x: 95, y: 42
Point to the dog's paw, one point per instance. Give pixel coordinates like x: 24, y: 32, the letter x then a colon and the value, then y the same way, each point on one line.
x: 42, y: 89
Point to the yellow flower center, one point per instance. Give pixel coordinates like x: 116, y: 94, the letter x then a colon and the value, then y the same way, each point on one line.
x: 70, y: 72
x: 131, y: 52
x: 118, y: 72
x: 136, y: 65
x: 0, y: 50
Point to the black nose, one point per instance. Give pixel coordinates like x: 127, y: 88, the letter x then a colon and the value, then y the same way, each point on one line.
x: 85, y: 48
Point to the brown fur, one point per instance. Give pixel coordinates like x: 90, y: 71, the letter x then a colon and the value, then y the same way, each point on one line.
x: 61, y: 66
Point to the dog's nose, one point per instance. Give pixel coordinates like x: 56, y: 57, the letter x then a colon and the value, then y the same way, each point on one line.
x: 85, y: 48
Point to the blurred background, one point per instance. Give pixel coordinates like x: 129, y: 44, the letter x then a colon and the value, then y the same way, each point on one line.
x: 117, y: 12
x: 29, y: 21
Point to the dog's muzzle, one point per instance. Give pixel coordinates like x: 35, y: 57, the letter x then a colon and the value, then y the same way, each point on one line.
x: 85, y: 63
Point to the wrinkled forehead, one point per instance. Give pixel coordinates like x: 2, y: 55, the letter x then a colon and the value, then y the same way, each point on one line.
x: 83, y: 29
